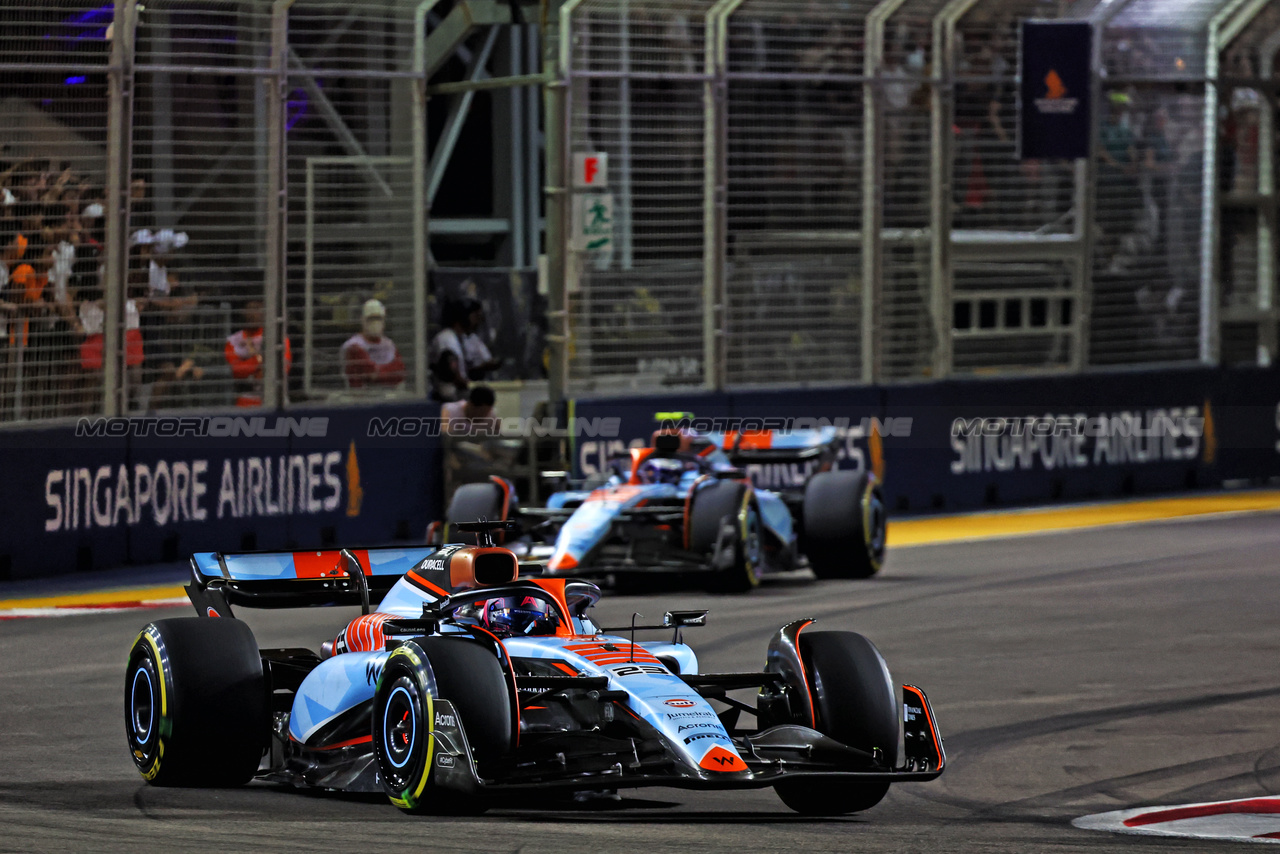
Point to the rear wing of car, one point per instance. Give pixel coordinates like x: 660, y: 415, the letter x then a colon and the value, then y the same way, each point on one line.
x: 774, y: 446
x: 298, y: 579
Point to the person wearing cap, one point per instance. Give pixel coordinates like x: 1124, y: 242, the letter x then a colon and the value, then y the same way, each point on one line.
x: 370, y: 358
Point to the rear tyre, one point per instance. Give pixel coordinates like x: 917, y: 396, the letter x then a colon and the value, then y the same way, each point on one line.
x: 195, y: 703
x: 415, y: 674
x: 854, y: 702
x: 473, y: 502
x: 713, y: 505
x: 844, y: 524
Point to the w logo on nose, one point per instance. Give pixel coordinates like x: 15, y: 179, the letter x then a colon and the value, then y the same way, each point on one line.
x: 719, y: 759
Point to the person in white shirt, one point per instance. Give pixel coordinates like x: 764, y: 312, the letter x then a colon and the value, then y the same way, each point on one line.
x: 449, y: 379
x: 480, y: 362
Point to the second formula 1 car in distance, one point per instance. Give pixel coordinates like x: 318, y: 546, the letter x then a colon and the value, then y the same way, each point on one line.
x: 684, y: 505
x: 470, y: 686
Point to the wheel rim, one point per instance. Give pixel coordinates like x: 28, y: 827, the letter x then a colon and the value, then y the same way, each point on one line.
x: 399, y: 727
x: 142, y: 705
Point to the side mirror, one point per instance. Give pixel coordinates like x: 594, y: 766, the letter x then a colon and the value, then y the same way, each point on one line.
x: 679, y: 619
x: 676, y: 619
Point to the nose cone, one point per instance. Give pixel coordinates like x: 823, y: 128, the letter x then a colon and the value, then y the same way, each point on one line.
x: 721, y: 760
x: 561, y: 561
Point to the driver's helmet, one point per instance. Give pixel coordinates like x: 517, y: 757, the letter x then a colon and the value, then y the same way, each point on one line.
x: 520, y: 615
x: 661, y: 470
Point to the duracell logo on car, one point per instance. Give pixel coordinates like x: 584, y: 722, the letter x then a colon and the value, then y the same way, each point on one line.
x: 469, y: 567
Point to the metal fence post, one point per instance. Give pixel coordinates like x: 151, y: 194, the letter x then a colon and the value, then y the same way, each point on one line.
x: 1228, y: 23
x: 944, y: 31
x: 873, y: 162
x: 1209, y: 337
x: 274, y: 376
x: 715, y: 167
x: 119, y: 121
x: 556, y: 47
x: 421, y: 214
x: 1086, y: 201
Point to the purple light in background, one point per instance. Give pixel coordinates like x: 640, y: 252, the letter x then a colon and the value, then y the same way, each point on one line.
x: 91, y: 15
x: 297, y: 107
x: 71, y: 81
x: 92, y: 24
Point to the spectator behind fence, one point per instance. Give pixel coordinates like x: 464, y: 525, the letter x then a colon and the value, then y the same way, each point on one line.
x: 1118, y: 192
x: 449, y: 378
x: 370, y: 358
x: 480, y: 362
x: 477, y: 407
x: 244, y: 355
x: 90, y: 324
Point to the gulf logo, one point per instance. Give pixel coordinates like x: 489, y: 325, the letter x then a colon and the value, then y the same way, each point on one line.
x: 681, y: 703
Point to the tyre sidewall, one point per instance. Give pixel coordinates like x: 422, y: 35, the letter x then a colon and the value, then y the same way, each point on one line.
x: 405, y: 679
x: 853, y: 693
x: 145, y: 681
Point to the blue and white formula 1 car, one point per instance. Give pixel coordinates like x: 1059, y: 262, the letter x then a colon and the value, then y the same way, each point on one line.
x: 470, y: 684
x: 685, y: 505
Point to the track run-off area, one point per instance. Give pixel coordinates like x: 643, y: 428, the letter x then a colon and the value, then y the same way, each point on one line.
x: 1084, y: 660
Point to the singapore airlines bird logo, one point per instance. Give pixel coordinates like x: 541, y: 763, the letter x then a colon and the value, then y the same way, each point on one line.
x: 1055, y: 88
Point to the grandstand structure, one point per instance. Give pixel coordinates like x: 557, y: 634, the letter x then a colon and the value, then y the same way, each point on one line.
x: 643, y: 195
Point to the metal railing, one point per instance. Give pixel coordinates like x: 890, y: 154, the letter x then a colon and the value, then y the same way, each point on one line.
x: 864, y: 215
x: 735, y: 193
x: 183, y: 178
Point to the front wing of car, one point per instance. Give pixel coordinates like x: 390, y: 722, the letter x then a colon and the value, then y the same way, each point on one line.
x: 788, y: 751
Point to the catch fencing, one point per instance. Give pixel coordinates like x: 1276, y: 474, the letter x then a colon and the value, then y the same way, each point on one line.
x: 179, y: 174
x: 864, y: 215
x: 726, y: 194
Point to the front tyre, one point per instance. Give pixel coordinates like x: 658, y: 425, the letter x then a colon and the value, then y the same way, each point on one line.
x: 414, y: 676
x: 854, y: 703
x: 195, y: 703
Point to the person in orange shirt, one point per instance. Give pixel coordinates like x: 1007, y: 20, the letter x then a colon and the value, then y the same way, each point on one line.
x: 244, y: 355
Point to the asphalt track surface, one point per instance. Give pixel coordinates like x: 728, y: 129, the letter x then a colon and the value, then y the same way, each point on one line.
x: 1071, y: 673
